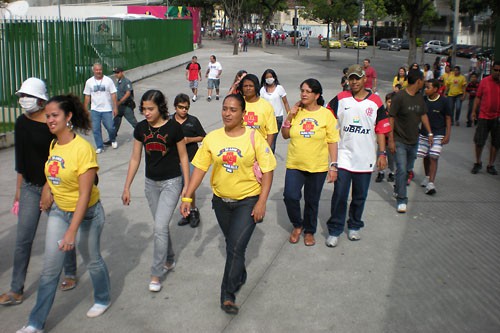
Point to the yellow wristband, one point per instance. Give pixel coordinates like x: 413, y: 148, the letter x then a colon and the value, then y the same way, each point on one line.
x: 187, y: 200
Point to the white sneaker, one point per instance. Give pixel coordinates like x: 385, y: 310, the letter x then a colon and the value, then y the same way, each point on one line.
x: 29, y: 329
x: 402, y: 208
x: 96, y: 310
x: 99, y: 150
x: 154, y: 286
x: 430, y: 189
x: 332, y: 241
x: 114, y: 144
x: 425, y: 181
x: 353, y: 235
x: 194, y: 98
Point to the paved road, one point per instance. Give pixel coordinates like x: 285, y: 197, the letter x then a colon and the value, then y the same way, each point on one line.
x: 434, y: 269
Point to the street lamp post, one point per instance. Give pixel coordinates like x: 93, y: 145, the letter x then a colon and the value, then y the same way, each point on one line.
x: 295, y: 24
x: 359, y: 28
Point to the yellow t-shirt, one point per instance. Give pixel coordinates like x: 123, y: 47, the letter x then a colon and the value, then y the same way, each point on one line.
x: 260, y: 116
x: 232, y: 159
x: 62, y: 169
x: 455, y: 84
x: 402, y: 82
x: 310, y: 134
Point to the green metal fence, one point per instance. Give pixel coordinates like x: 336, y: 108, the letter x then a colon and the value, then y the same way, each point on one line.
x: 62, y: 52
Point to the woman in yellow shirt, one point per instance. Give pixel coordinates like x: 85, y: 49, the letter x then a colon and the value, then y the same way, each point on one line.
x: 400, y: 79
x: 313, y: 133
x: 239, y: 200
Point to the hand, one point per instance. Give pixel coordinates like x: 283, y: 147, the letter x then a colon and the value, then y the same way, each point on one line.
x: 431, y: 140
x: 474, y: 116
x: 115, y: 112
x: 295, y: 109
x: 382, y: 162
x: 331, y: 176
x: 185, y: 208
x: 445, y: 140
x: 68, y: 241
x: 46, y: 200
x: 462, y: 98
x: 126, y: 197
x: 259, y: 211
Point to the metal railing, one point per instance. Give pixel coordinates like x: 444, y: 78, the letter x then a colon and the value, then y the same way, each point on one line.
x: 62, y: 52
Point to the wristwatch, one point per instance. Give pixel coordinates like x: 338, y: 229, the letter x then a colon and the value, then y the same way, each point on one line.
x: 333, y: 166
x: 430, y: 134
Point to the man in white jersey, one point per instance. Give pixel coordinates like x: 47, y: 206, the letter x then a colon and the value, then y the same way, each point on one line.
x: 214, y: 71
x: 100, y: 92
x: 363, y: 123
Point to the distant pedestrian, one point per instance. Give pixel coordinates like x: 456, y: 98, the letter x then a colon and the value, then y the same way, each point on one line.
x: 193, y: 133
x: 471, y: 90
x: 371, y: 76
x: 193, y: 75
x: 407, y: 111
x: 363, y: 123
x: 439, y: 115
x: 455, y: 90
x: 400, y: 79
x: 486, y: 110
x: 125, y: 101
x: 344, y: 82
x: 100, y: 93
x: 165, y: 148
x: 214, y: 71
x: 390, y: 155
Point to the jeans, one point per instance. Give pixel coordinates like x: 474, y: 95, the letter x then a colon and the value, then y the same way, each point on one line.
x: 279, y: 122
x: 107, y: 120
x: 124, y: 110
x: 88, y: 242
x: 312, y: 182
x: 469, y: 110
x: 28, y: 218
x: 455, y: 106
x: 237, y: 225
x: 162, y: 197
x: 405, y: 156
x: 360, y: 183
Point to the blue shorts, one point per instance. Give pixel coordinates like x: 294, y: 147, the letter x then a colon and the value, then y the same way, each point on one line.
x: 213, y: 83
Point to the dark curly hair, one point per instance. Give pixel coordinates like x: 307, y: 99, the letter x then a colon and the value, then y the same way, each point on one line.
x: 158, y: 98
x: 72, y: 104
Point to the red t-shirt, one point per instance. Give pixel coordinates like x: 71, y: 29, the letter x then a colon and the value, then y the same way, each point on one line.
x: 489, y: 93
x: 370, y: 75
x: 194, y: 69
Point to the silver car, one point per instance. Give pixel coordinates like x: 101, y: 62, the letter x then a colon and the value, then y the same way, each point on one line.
x: 433, y: 46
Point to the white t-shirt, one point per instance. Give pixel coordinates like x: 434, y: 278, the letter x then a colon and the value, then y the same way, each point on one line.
x: 275, y: 98
x: 214, y: 69
x: 100, y: 93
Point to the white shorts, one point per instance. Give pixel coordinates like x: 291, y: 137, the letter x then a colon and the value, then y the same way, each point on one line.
x: 424, y: 150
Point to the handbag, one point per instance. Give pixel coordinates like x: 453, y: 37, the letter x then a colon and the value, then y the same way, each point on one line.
x: 256, y: 167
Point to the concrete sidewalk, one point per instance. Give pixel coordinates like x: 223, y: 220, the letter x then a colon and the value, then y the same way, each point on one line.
x: 434, y: 269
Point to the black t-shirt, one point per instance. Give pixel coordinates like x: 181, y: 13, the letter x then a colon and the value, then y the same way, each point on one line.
x: 407, y: 111
x: 160, y: 146
x: 192, y: 128
x: 32, y: 143
x: 437, y: 112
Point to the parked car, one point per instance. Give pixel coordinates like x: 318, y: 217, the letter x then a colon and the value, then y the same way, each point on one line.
x: 333, y: 43
x: 353, y: 42
x: 446, y: 50
x: 388, y: 44
x: 405, y: 44
x: 433, y: 45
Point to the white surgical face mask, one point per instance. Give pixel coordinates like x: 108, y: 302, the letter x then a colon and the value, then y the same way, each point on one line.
x: 29, y: 104
x: 270, y: 80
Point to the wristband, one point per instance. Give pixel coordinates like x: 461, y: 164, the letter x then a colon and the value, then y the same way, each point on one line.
x: 187, y: 200
x: 286, y: 124
x: 382, y: 153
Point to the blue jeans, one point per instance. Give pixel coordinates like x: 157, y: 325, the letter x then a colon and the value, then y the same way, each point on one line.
x: 455, y: 106
x: 312, y: 182
x: 279, y: 122
x: 237, y: 225
x: 162, y: 196
x: 107, y: 120
x: 405, y: 157
x: 28, y: 218
x: 88, y: 242
x: 128, y: 113
x: 360, y: 183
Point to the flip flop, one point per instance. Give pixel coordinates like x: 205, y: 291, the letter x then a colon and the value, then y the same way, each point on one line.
x: 68, y: 284
x: 10, y: 298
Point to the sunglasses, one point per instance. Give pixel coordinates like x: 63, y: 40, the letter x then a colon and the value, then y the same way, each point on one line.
x: 182, y: 107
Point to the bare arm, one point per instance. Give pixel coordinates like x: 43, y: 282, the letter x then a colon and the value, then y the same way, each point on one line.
x: 381, y: 158
x: 115, y: 107
x: 259, y: 210
x: 285, y: 103
x: 183, y: 156
x: 194, y: 183
x: 392, y: 144
x: 425, y: 122
x: 133, y: 165
x: 475, y: 107
x: 333, y: 152
x: 86, y: 102
x: 19, y: 182
x: 191, y: 139
x: 285, y: 131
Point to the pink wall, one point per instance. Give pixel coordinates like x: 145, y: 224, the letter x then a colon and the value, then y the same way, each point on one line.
x: 159, y: 11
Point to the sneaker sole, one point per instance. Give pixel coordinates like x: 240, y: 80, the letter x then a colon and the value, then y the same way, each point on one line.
x: 430, y: 192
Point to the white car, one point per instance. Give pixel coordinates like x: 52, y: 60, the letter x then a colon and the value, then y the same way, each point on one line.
x: 433, y: 46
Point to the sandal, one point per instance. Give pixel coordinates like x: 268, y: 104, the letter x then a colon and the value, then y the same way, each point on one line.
x: 68, y: 284
x: 11, y: 298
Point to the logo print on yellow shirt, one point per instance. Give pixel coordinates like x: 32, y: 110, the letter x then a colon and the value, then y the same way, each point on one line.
x: 55, y: 163
x: 229, y: 158
x: 250, y: 119
x: 308, y: 125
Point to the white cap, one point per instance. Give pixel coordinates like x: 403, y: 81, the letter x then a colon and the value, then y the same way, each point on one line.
x: 34, y: 87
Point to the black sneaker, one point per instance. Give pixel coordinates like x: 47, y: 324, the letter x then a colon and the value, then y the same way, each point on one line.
x: 491, y: 170
x: 194, y: 218
x: 390, y: 178
x: 476, y: 168
x: 107, y: 143
x: 184, y: 221
x: 380, y: 177
x: 216, y: 98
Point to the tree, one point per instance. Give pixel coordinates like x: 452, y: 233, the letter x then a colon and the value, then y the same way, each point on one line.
x: 233, y: 10
x: 374, y: 11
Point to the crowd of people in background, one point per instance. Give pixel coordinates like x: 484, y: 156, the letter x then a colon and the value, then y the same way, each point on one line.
x: 350, y: 137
